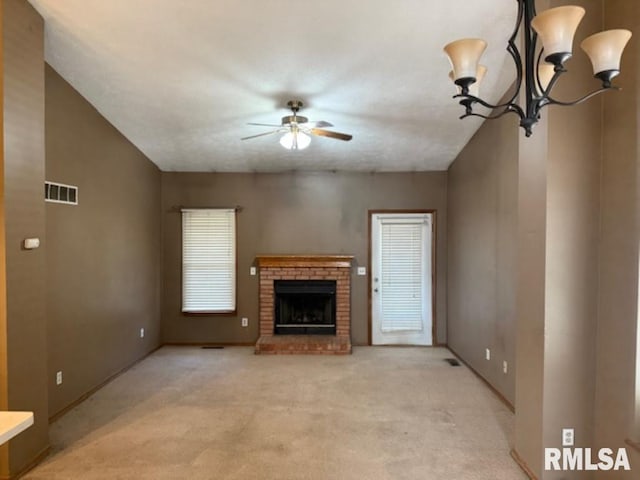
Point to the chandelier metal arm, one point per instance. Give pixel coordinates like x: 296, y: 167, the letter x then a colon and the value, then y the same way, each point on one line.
x: 552, y: 83
x: 542, y: 91
x: 515, y: 53
x: 531, y: 70
x: 526, y: 12
x: 509, y: 109
x: 538, y: 82
x: 469, y: 100
x: 512, y: 48
x: 551, y: 101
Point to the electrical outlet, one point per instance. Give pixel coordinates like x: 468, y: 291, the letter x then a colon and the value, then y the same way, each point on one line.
x: 487, y: 354
x: 59, y: 378
x: 362, y: 270
x: 142, y: 333
x: 245, y: 322
x: 252, y: 271
x: 505, y: 367
x: 568, y: 437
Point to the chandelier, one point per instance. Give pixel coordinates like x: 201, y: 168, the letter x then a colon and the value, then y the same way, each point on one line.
x: 540, y: 66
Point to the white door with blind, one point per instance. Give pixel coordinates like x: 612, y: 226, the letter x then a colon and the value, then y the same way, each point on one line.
x: 401, y: 279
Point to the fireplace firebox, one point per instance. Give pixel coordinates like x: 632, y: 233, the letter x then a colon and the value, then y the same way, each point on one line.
x: 305, y: 307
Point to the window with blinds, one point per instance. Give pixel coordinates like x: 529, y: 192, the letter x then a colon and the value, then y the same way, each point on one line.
x: 402, y: 250
x: 208, y: 260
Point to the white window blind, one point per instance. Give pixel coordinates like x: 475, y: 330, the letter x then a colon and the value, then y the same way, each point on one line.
x: 208, y: 260
x: 402, y: 260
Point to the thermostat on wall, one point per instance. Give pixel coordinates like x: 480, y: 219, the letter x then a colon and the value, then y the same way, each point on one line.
x: 31, y: 243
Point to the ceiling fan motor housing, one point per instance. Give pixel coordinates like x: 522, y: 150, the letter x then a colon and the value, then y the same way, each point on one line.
x: 289, y: 119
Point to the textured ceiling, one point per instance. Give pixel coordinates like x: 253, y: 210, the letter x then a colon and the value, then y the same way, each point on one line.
x: 181, y: 78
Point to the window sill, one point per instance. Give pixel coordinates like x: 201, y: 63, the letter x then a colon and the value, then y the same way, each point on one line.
x: 229, y: 313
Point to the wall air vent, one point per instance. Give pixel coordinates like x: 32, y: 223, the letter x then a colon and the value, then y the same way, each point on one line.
x: 60, y: 193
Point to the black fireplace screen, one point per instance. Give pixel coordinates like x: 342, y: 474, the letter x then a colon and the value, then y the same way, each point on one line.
x: 305, y: 307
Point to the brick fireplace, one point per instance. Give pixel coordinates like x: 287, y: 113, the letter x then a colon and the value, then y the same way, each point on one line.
x: 305, y: 267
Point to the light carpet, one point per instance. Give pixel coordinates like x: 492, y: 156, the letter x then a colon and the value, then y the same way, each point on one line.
x: 196, y: 414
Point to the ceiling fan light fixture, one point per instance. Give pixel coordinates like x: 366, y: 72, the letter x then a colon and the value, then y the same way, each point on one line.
x: 296, y: 137
x: 295, y: 140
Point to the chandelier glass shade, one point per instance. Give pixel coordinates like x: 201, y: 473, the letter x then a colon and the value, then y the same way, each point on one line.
x: 556, y: 28
x: 465, y: 55
x: 548, y: 45
x: 605, y: 49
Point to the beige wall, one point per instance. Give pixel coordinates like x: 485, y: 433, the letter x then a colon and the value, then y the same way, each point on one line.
x: 618, y: 316
x: 23, y: 38
x: 530, y: 295
x: 4, y: 397
x: 103, y: 255
x: 544, y: 258
x: 572, y: 236
x: 577, y: 258
x: 481, y: 230
x: 291, y: 213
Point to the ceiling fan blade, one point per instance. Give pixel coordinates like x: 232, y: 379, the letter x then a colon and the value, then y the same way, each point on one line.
x: 264, y: 124
x: 261, y: 135
x: 320, y: 124
x: 327, y: 133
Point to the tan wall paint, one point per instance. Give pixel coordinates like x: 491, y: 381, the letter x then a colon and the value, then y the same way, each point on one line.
x: 4, y: 396
x: 572, y: 231
x: 618, y: 314
x: 103, y: 255
x: 291, y: 213
x: 25, y: 217
x: 530, y: 295
x: 481, y: 270
x: 559, y: 246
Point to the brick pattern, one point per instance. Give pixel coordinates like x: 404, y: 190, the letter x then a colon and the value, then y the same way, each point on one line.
x: 303, y: 344
x: 341, y: 343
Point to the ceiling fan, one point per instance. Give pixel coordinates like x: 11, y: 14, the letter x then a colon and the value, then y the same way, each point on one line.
x: 297, y: 129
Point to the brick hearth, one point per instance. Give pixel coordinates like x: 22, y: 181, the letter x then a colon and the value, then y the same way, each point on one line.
x: 305, y: 267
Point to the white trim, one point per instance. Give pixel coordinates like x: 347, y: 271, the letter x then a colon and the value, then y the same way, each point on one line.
x: 401, y: 316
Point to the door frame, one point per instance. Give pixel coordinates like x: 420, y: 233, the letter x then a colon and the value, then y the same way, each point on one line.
x: 434, y: 237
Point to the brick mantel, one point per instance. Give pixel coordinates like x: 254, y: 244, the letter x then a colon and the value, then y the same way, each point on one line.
x: 305, y: 267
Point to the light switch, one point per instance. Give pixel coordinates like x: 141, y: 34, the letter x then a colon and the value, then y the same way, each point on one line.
x: 362, y: 270
x: 252, y: 271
